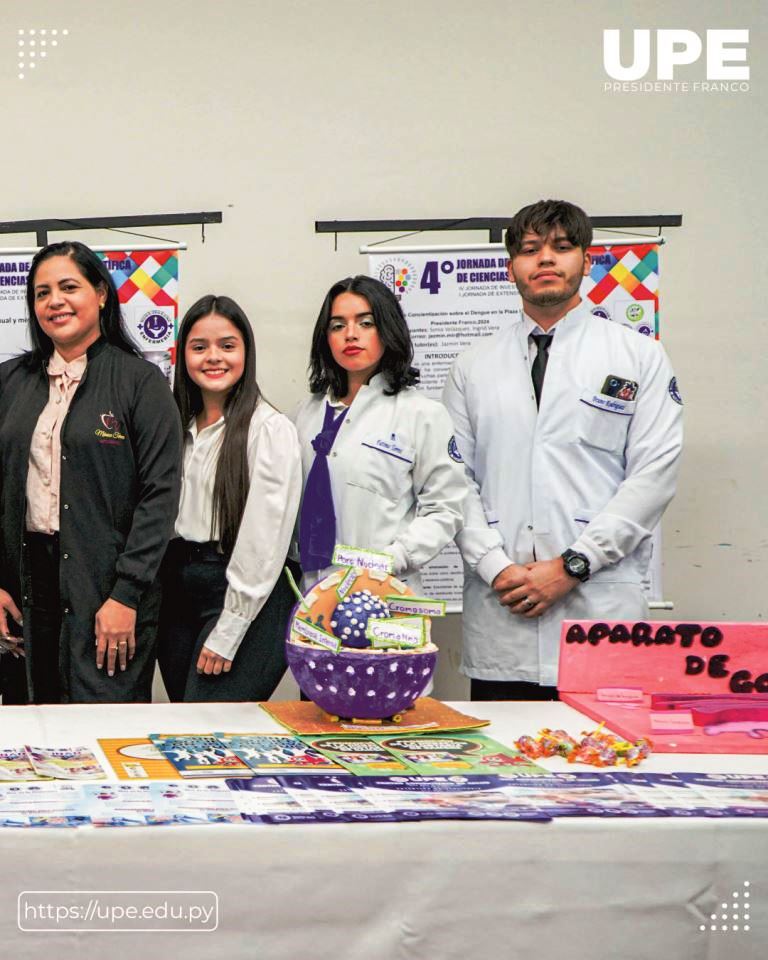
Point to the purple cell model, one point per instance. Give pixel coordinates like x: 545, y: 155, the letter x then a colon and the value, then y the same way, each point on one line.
x: 350, y: 618
x: 355, y: 683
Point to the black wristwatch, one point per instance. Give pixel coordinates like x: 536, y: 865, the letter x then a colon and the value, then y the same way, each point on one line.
x: 576, y: 564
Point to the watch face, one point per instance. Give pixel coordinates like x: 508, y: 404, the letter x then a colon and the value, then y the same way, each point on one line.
x: 576, y: 565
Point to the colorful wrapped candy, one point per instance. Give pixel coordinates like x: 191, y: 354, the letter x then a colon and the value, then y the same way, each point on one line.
x: 598, y: 748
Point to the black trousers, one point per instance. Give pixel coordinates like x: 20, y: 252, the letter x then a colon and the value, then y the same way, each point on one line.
x: 194, y: 584
x: 13, y: 670
x: 511, y: 690
x: 54, y: 677
x: 44, y: 628
x: 13, y: 680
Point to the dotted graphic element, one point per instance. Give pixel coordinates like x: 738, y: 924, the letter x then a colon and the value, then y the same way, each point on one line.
x: 30, y: 47
x: 735, y: 905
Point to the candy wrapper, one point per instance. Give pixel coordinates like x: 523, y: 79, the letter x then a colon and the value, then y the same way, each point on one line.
x: 597, y: 748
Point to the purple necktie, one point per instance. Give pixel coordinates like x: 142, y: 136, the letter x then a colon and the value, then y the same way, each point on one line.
x: 317, y: 524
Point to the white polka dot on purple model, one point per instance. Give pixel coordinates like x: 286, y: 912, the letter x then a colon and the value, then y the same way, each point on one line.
x: 351, y: 616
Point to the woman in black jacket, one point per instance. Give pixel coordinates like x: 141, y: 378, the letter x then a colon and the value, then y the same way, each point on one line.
x: 90, y: 447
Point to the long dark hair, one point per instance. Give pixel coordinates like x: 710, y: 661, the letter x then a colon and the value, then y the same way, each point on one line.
x: 91, y: 266
x: 325, y: 374
x: 230, y: 489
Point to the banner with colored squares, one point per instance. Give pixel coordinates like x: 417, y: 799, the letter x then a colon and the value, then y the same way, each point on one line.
x: 623, y: 285
x: 147, y: 283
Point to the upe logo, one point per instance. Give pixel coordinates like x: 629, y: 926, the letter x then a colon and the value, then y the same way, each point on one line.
x: 677, y: 48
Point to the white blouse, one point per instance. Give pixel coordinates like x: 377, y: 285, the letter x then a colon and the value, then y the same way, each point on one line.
x: 274, y: 466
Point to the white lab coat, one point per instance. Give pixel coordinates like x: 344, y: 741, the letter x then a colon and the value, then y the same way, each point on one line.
x: 585, y: 471
x: 395, y: 487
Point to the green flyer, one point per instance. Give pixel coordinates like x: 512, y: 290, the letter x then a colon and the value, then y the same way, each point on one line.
x: 458, y: 753
x: 362, y: 756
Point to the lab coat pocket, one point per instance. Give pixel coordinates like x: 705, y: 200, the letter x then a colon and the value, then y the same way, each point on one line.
x: 580, y: 518
x: 602, y: 421
x: 384, y: 467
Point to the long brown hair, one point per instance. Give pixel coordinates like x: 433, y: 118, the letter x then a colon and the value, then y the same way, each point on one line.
x: 230, y: 488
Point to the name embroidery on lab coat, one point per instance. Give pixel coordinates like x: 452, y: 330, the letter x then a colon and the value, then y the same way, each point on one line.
x: 609, y: 404
x: 390, y: 447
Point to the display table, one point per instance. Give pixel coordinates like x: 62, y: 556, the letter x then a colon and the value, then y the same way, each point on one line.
x: 598, y: 889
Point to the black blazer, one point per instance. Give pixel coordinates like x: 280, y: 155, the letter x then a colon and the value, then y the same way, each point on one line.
x: 120, y: 479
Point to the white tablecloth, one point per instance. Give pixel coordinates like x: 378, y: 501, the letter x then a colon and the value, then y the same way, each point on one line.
x: 631, y: 889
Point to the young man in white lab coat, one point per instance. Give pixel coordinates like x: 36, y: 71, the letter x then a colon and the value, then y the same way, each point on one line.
x: 570, y: 427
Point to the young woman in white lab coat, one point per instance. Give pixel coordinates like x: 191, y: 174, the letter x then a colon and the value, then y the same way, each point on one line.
x: 381, y: 469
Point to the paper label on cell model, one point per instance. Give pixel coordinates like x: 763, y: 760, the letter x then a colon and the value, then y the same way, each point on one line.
x: 330, y: 581
x: 620, y: 694
x: 396, y: 632
x: 295, y: 588
x: 344, y: 556
x: 347, y: 582
x: 416, y: 606
x: 310, y: 632
x: 671, y: 721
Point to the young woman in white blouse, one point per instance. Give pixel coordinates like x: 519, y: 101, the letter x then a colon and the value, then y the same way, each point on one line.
x: 226, y: 599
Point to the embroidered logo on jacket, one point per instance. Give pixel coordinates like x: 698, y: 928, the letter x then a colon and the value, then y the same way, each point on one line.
x: 674, y: 391
x: 111, y: 429
x: 453, y: 451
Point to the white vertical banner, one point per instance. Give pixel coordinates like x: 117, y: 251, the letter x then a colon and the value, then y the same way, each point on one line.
x: 451, y: 296
x: 14, y: 268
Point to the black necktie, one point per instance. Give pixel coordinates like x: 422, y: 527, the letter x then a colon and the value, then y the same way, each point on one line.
x: 539, y: 368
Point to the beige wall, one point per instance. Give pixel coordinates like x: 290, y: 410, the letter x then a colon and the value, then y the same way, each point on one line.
x: 279, y: 113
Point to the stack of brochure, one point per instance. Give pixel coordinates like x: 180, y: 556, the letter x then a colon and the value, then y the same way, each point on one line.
x: 328, y: 797
x: 273, y: 778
